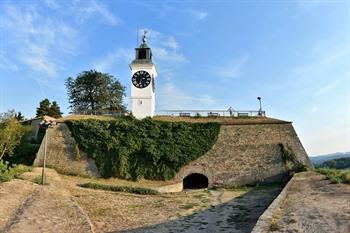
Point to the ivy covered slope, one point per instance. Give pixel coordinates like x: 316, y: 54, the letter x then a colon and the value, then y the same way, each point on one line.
x: 132, y: 149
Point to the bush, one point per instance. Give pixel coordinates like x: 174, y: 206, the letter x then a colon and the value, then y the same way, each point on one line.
x: 132, y: 149
x: 336, y: 176
x: 290, y: 160
x: 8, y: 172
x: 77, y: 152
x: 126, y: 189
x: 26, y: 150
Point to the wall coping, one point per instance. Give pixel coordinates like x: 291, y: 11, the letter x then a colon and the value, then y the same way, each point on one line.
x: 264, y: 221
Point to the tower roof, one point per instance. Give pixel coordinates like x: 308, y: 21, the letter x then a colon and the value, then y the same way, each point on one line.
x: 143, y: 54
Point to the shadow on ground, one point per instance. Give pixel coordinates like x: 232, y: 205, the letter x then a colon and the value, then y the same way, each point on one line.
x: 237, y: 215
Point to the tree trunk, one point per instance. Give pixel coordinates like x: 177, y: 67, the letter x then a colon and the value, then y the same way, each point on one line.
x: 3, y: 152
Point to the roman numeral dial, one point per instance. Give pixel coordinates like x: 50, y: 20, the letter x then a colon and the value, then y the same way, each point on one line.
x: 141, y: 79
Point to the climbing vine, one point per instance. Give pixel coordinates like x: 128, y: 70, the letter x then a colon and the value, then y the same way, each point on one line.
x: 132, y: 149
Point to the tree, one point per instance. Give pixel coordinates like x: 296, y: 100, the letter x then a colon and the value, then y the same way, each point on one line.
x: 48, y: 109
x: 93, y: 92
x: 11, y: 132
x: 19, y: 116
x: 54, y: 110
x: 44, y: 108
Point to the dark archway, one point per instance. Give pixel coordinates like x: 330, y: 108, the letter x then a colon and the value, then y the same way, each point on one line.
x: 195, y: 181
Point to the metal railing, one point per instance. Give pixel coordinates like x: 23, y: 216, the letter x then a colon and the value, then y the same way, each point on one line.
x: 211, y: 113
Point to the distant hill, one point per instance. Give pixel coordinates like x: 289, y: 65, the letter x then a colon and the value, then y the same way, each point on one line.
x: 341, y: 163
x: 317, y: 160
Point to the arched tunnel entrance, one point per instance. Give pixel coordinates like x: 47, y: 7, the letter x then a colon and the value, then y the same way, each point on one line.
x: 195, y: 181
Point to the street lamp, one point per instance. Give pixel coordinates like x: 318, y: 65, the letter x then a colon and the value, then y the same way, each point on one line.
x: 260, y: 109
x: 46, y: 124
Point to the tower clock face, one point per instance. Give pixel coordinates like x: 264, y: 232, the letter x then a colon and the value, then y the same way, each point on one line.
x: 141, y: 79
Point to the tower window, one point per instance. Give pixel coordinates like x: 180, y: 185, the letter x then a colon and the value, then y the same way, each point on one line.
x: 140, y: 102
x: 142, y: 54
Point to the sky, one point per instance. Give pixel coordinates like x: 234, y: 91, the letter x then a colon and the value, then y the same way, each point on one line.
x: 209, y: 55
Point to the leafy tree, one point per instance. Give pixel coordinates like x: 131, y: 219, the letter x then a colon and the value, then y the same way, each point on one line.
x: 94, y: 92
x: 11, y: 132
x: 46, y: 108
x: 19, y: 116
x: 54, y: 110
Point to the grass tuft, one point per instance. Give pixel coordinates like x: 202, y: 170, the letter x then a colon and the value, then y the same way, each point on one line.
x: 336, y: 176
x: 126, y: 189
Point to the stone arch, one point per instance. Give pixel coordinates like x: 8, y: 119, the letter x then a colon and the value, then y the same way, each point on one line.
x: 195, y: 181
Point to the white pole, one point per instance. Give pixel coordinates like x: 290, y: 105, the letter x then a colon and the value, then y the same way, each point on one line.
x: 44, y: 164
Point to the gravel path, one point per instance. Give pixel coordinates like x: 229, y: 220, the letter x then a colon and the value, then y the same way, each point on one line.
x: 48, y: 208
x: 237, y: 215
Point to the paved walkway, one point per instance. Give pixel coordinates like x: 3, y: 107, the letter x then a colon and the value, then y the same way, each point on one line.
x: 48, y: 208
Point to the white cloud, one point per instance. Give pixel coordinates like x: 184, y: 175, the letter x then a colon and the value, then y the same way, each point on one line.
x: 164, y: 47
x: 88, y: 9
x: 172, y: 98
x: 170, y: 42
x: 113, y: 58
x: 7, y: 64
x: 328, y: 87
x: 198, y: 15
x: 166, y: 55
x: 35, y: 39
x: 233, y: 69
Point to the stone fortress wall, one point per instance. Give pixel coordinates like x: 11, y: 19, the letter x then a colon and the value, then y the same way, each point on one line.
x: 245, y: 154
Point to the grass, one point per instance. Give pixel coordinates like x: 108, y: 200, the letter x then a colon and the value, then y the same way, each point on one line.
x: 336, y: 176
x: 126, y: 189
x: 38, y: 180
x: 189, y: 206
x: 274, y: 227
x: 8, y: 172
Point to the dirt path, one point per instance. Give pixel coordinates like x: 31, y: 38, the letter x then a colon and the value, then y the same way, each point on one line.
x: 314, y: 205
x: 48, y: 208
x: 235, y: 215
x: 11, y: 199
x: 53, y: 208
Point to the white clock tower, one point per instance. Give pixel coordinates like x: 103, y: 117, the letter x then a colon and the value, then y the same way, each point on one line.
x: 143, y: 76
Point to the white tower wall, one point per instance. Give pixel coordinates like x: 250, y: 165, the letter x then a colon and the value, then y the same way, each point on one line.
x: 143, y: 99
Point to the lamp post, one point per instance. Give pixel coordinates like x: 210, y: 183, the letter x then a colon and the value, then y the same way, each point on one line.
x: 260, y: 109
x: 46, y: 125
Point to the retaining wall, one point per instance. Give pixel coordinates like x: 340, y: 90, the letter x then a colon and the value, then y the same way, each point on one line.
x: 245, y: 154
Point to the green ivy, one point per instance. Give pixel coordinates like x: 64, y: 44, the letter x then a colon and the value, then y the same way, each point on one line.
x: 133, y: 149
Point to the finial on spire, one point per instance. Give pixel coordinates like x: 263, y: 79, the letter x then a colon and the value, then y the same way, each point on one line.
x: 144, y: 39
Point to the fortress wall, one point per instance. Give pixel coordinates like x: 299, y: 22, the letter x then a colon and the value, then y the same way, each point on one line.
x: 246, y: 154
x: 61, y: 155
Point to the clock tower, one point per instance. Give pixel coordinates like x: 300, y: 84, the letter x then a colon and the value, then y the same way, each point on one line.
x: 143, y: 76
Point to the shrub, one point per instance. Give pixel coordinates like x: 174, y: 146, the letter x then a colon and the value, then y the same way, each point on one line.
x: 126, y: 189
x: 8, y: 172
x: 132, y: 149
x: 290, y: 159
x: 336, y: 176
x: 77, y: 152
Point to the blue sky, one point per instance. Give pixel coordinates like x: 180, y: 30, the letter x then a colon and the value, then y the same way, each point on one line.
x: 209, y: 54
